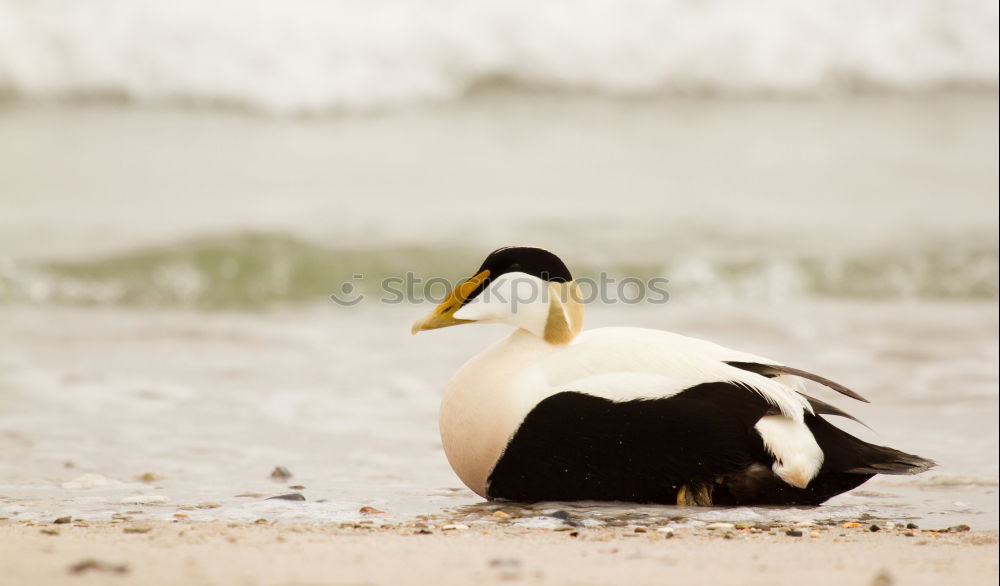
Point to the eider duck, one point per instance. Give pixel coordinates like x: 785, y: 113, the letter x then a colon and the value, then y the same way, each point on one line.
x: 553, y: 413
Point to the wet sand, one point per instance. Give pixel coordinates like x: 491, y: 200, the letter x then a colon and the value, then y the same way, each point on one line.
x: 440, y: 553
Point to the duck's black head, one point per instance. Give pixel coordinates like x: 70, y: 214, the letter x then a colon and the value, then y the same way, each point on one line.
x: 536, y: 262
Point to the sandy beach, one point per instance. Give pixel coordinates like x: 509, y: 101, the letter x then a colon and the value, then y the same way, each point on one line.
x: 442, y: 553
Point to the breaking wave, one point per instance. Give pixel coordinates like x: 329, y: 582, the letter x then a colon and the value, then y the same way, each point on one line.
x: 253, y: 270
x: 295, y: 56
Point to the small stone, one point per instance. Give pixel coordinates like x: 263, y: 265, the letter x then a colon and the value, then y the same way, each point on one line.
x: 280, y: 473
x: 501, y: 515
x: 912, y: 526
x: 49, y: 531
x: 667, y: 532
x: 851, y: 525
x: 719, y: 526
x: 793, y: 533
x: 565, y: 517
x: 874, y: 528
x: 293, y: 496
x: 63, y: 520
x: 366, y: 510
x: 814, y: 534
x: 149, y: 477
x: 422, y: 532
x: 137, y: 529
x: 97, y: 565
x: 454, y: 527
x: 882, y: 578
x: 959, y: 528
x: 640, y: 529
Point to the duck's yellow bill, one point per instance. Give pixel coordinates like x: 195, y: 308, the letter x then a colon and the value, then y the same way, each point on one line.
x: 444, y: 314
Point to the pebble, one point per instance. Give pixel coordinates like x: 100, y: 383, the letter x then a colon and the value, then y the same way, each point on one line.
x: 565, y: 517
x: 144, y: 499
x: 873, y: 528
x: 501, y: 515
x: 149, y: 477
x: 280, y: 473
x: 793, y: 533
x: 912, y: 526
x: 49, y: 531
x: 292, y: 496
x: 454, y: 527
x: 719, y: 526
x: 97, y: 565
x: 137, y: 529
x: 366, y: 510
x: 668, y: 531
x: 63, y: 520
x: 814, y: 534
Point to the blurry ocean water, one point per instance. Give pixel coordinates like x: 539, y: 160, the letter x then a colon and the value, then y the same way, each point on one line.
x: 183, y: 185
x: 311, y: 55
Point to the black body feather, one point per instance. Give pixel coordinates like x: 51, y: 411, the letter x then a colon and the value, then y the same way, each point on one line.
x: 574, y: 446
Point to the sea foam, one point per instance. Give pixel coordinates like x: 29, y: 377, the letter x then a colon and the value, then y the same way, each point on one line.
x: 309, y: 56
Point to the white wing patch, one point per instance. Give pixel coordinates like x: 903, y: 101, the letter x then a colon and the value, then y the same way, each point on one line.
x: 798, y: 457
x: 635, y: 363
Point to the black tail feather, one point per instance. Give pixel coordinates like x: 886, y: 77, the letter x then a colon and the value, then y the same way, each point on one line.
x: 824, y: 408
x: 845, y: 453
